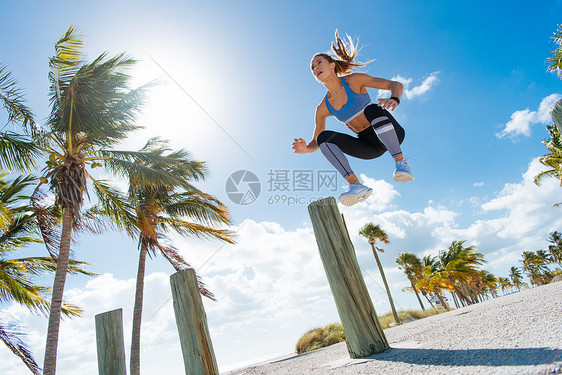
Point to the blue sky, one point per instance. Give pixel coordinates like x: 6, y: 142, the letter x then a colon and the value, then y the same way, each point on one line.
x: 474, y: 110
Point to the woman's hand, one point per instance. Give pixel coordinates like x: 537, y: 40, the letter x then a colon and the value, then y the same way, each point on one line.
x: 388, y: 104
x: 299, y: 146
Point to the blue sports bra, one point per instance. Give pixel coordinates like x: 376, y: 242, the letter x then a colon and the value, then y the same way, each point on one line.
x: 355, y: 105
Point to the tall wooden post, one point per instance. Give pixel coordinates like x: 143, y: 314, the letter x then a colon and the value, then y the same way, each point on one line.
x: 196, y: 345
x: 109, y: 339
x: 363, y: 333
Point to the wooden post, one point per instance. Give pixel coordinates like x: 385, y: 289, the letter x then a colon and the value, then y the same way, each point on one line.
x: 196, y: 345
x: 363, y: 333
x: 109, y: 339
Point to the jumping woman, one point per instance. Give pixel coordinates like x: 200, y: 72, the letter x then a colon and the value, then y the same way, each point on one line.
x: 377, y: 131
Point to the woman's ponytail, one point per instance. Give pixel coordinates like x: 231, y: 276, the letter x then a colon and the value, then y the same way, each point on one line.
x: 346, y: 53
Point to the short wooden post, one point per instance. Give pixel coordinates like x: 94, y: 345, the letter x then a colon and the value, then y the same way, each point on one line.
x: 196, y: 345
x: 363, y: 333
x: 109, y: 339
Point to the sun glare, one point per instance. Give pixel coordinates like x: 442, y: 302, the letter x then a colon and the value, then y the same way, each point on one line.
x: 183, y: 103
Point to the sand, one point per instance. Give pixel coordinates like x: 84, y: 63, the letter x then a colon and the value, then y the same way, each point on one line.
x: 520, y: 333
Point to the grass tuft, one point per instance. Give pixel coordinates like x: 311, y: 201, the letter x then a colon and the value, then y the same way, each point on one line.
x: 406, y: 316
x: 333, y: 333
x: 320, y: 338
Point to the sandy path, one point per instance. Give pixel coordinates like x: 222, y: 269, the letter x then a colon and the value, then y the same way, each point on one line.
x: 516, y: 334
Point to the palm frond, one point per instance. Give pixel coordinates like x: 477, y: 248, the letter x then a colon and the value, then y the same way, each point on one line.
x: 203, y: 208
x: 17, y: 152
x: 36, y: 266
x: 98, y: 103
x: 16, y: 286
x: 12, y: 99
x: 48, y: 218
x: 69, y: 310
x: 141, y: 175
x: 555, y: 60
x: 11, y: 191
x: 114, y: 206
x: 64, y: 65
x: 178, y: 166
x: 12, y: 338
x: 172, y: 255
x: 16, y: 283
x: 186, y: 228
x: 544, y: 175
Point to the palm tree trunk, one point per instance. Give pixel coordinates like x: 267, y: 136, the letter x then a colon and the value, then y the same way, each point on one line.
x: 443, y: 302
x: 50, y: 362
x: 428, y: 300
x: 455, y: 300
x: 137, y: 313
x: 417, y: 295
x: 386, y: 286
x: 462, y: 298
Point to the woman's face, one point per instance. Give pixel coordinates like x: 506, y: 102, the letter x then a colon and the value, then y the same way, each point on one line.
x: 321, y: 68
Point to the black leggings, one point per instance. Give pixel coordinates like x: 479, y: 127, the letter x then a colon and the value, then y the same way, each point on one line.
x: 367, y: 144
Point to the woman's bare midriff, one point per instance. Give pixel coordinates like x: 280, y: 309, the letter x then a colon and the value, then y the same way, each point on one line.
x: 358, y: 124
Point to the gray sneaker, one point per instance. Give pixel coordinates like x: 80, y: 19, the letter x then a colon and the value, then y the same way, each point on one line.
x: 402, y: 173
x: 355, y: 193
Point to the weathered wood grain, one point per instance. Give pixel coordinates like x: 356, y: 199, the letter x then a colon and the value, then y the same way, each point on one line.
x: 196, y: 345
x: 363, y: 332
x: 109, y: 340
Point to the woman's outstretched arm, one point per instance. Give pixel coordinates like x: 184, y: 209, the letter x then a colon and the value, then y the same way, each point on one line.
x: 299, y: 144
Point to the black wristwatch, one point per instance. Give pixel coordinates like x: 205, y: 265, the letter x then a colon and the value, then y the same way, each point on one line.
x: 395, y: 98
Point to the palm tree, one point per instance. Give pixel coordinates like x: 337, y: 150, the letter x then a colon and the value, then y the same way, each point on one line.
x: 535, y: 267
x: 432, y: 282
x: 459, y: 264
x: 155, y: 210
x: 504, y: 284
x: 489, y: 284
x: 92, y: 110
x: 17, y: 275
x: 544, y: 259
x: 412, y: 267
x: 556, y: 248
x: 516, y: 277
x: 430, y: 263
x: 373, y: 233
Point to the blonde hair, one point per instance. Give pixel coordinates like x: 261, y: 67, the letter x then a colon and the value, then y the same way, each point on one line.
x: 346, y: 53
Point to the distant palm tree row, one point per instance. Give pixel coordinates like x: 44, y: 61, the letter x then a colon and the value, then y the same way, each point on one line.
x: 93, y: 109
x: 457, y: 270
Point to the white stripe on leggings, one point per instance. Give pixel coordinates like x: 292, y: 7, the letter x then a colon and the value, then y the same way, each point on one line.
x: 384, y: 129
x: 379, y: 119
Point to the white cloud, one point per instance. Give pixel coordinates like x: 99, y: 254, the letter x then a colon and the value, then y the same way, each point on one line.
x: 522, y: 121
x: 271, y: 286
x: 416, y: 91
x: 423, y: 88
x: 520, y: 124
x: 385, y: 193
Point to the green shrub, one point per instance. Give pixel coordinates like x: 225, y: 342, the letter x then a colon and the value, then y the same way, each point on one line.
x: 320, y: 337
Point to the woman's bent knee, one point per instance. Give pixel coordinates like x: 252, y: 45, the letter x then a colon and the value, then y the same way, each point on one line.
x: 324, y: 136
